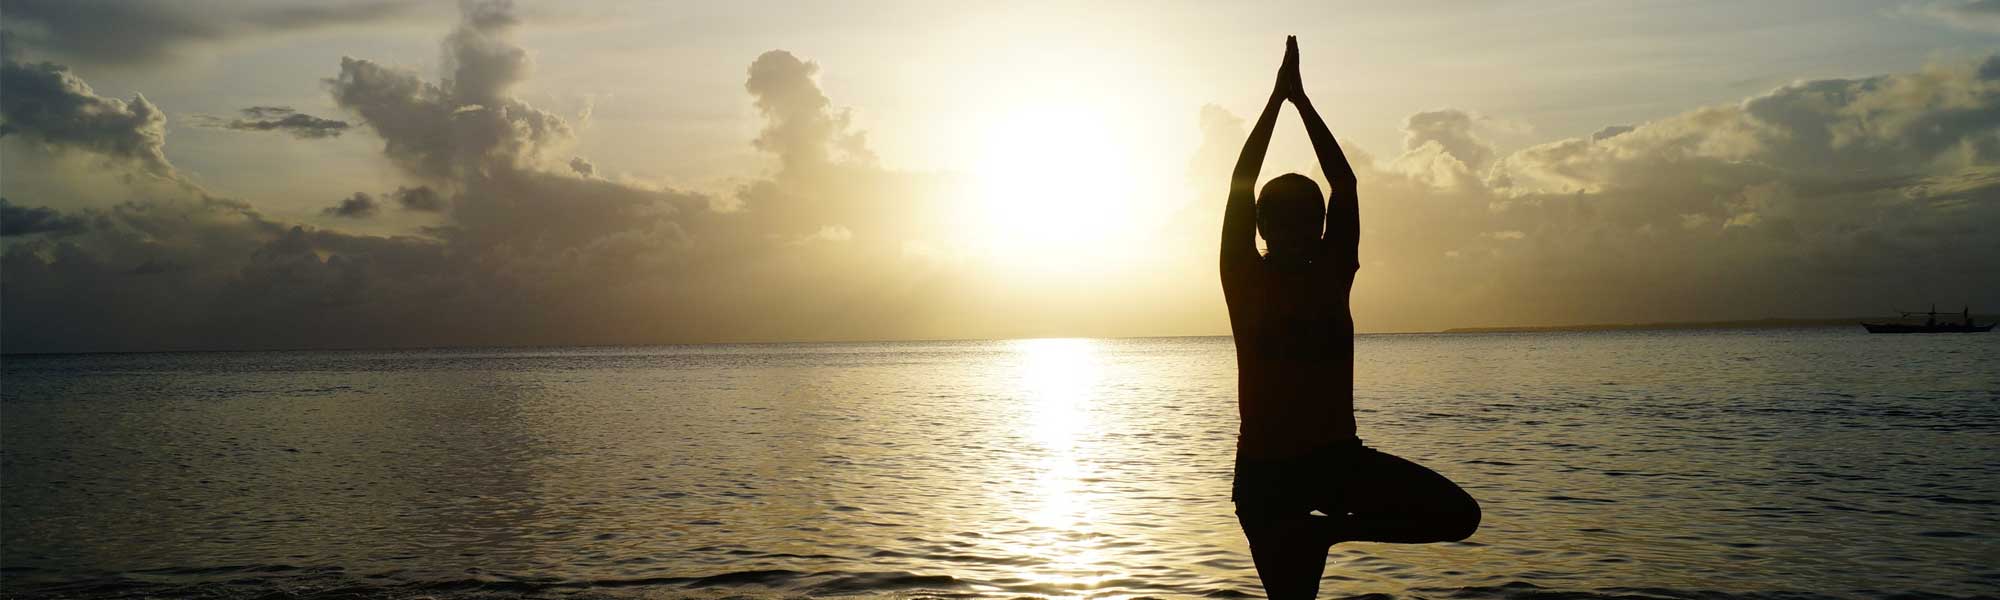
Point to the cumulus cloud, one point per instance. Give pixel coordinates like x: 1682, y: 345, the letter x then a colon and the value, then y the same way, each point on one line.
x: 1834, y: 197
x: 1441, y: 148
x: 826, y: 171
x: 468, y: 122
x: 1451, y: 131
x: 278, y: 118
x: 358, y: 206
x: 47, y: 104
x: 490, y: 158
x: 802, y: 127
x: 1824, y: 197
x: 119, y: 32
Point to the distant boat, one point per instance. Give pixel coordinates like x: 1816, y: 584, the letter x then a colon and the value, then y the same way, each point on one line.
x: 1931, y: 324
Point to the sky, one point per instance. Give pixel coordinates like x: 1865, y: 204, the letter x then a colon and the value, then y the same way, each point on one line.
x: 225, y: 174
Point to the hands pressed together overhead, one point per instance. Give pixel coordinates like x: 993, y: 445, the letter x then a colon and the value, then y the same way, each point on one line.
x: 1289, y: 86
x: 1341, y: 230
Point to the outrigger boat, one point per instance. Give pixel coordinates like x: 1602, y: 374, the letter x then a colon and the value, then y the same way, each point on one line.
x: 1931, y: 324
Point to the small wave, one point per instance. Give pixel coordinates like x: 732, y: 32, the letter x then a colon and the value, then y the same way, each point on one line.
x: 1955, y: 500
x: 883, y: 582
x: 294, y: 583
x: 219, y: 570
x: 766, y: 578
x: 286, y: 582
x: 1948, y: 534
x: 1580, y: 500
x: 1521, y: 590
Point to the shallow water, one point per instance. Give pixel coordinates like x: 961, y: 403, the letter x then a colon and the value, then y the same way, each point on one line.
x: 1788, y: 464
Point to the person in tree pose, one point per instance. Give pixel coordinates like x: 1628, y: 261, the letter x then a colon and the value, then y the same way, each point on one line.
x: 1297, y: 453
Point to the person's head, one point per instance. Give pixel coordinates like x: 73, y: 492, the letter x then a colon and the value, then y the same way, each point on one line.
x: 1290, y: 213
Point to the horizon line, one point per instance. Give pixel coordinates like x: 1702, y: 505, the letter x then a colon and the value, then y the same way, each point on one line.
x: 1763, y: 322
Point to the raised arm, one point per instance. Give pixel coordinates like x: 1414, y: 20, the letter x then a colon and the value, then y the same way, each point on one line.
x: 1239, y: 218
x: 1343, y: 216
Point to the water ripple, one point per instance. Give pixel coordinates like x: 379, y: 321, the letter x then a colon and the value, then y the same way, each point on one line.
x: 1710, y: 465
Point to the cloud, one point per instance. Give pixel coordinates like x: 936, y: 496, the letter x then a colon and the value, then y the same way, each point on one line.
x: 802, y: 128
x: 419, y: 198
x: 466, y: 123
x: 118, y: 32
x: 1822, y: 197
x: 1609, y: 131
x: 46, y: 103
x: 829, y: 233
x: 31, y: 220
x: 523, y: 244
x: 1451, y: 131
x: 1810, y: 199
x: 826, y: 171
x: 185, y: 272
x: 525, y: 248
x: 1832, y: 197
x: 1975, y: 15
x: 1222, y: 136
x: 1441, y: 150
x: 358, y: 206
x: 278, y: 118
x: 511, y: 201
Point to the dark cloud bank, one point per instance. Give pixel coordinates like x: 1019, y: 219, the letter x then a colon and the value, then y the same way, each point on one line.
x: 532, y: 249
x: 30, y: 220
x: 1821, y: 197
x: 1834, y: 197
x: 133, y: 32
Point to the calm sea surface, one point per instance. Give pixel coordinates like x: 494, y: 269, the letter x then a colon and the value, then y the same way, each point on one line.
x: 1774, y: 464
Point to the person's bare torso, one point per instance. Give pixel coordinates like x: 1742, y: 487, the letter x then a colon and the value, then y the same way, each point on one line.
x: 1294, y: 357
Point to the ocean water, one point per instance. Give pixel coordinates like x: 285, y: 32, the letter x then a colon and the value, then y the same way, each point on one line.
x: 1705, y: 464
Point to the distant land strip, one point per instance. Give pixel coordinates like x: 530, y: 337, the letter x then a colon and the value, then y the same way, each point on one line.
x: 1768, y: 323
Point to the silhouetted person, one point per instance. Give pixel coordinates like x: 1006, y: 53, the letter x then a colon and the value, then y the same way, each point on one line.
x: 1297, y: 452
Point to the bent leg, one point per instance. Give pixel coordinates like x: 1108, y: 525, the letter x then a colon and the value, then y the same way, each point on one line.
x: 1289, y: 554
x: 1389, y: 499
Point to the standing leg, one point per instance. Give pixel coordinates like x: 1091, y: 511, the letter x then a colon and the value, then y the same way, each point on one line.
x: 1289, y: 553
x: 1389, y: 499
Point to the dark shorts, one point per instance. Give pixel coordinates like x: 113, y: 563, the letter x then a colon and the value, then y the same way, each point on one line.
x: 1347, y: 479
x: 1319, y: 480
x: 1364, y: 494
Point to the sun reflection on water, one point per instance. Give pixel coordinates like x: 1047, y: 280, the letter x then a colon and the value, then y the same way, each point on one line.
x: 1058, y: 381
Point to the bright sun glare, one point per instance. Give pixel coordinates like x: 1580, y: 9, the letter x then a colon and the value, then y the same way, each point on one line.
x: 1058, y: 381
x: 1059, y: 185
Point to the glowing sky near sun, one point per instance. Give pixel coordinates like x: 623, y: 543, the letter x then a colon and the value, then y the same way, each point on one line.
x: 625, y: 172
